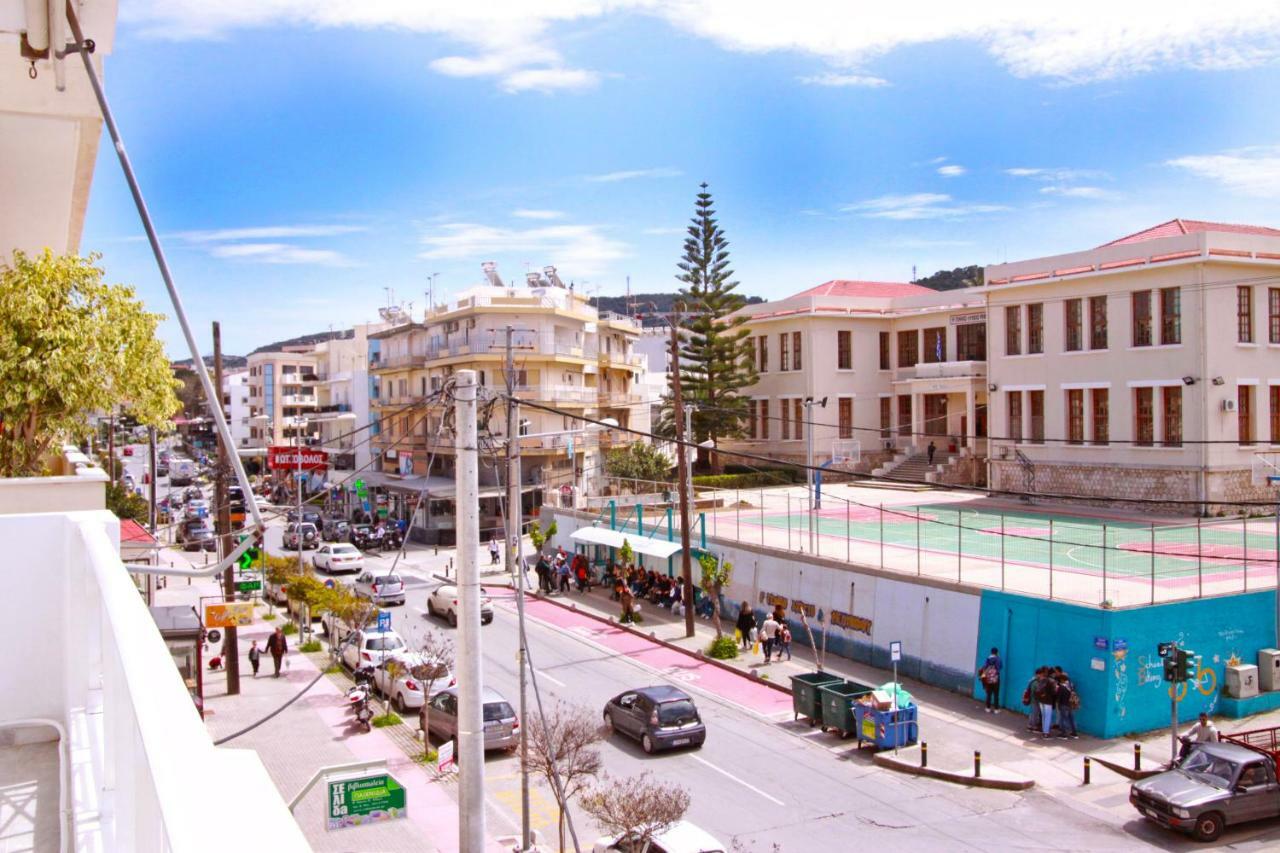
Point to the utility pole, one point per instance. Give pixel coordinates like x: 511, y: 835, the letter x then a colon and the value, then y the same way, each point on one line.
x: 515, y: 518
x: 470, y: 755
x: 220, y: 501
x: 682, y: 473
x: 151, y: 508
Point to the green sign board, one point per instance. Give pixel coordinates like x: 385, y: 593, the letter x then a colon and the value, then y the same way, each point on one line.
x: 365, y: 799
x: 249, y: 586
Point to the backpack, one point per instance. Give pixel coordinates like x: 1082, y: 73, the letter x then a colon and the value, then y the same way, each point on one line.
x: 990, y: 675
x: 1074, y: 701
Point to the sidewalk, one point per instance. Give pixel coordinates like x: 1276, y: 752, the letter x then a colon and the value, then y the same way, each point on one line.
x: 316, y: 731
x: 954, y: 726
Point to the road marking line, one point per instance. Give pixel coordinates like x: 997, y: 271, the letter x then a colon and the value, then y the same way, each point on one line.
x: 542, y: 673
x: 736, y: 779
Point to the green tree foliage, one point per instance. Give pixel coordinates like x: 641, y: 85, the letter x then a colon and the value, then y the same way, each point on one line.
x: 126, y: 504
x: 639, y: 462
x: 717, y: 573
x: 960, y: 277
x: 715, y: 355
x: 538, y: 536
x: 71, y: 345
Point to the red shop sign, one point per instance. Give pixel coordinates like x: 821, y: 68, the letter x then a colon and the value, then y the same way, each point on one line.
x: 286, y: 458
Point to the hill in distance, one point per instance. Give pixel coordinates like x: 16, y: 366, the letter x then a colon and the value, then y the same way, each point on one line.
x: 646, y: 303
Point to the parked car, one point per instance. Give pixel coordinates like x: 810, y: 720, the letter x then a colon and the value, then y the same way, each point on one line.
x: 1217, y: 785
x: 195, y: 534
x: 192, y: 493
x: 197, y: 509
x: 162, y: 469
x: 403, y: 680
x: 501, y: 726
x: 680, y: 837
x: 382, y: 588
x: 310, y: 516
x: 301, y: 537
x: 335, y: 530
x: 369, y: 647
x: 443, y: 601
x: 338, y: 558
x: 660, y: 717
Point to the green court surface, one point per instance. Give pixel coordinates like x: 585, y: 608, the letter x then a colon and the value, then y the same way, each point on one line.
x: 1065, y: 542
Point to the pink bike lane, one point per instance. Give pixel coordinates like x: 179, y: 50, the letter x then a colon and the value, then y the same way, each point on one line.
x: 675, y: 665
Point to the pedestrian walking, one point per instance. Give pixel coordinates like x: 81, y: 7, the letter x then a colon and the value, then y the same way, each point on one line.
x: 1067, y: 702
x: 493, y: 550
x: 277, y: 646
x: 255, y: 657
x: 562, y: 575
x: 989, y: 675
x: 768, y: 632
x: 746, y: 624
x: 783, y: 642
x: 933, y: 448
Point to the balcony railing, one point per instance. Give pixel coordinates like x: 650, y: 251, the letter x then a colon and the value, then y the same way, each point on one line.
x: 394, y: 362
x: 297, y: 400
x: 621, y: 359
x: 494, y: 341
x: 556, y: 393
x: 942, y: 370
x: 620, y: 398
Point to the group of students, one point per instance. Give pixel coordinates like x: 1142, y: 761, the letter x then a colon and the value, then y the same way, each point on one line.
x: 773, y: 634
x: 562, y: 571
x: 1053, y: 700
x: 647, y: 585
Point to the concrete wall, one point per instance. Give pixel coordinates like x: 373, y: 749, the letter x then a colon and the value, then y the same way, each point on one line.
x: 1112, y: 654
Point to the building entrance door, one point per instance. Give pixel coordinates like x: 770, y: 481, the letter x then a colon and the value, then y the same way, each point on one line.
x: 935, y: 414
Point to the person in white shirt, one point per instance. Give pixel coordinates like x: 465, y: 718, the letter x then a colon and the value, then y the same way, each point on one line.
x: 1204, y: 731
x: 768, y: 632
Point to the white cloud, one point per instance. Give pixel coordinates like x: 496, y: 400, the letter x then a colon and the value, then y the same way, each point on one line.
x: 632, y: 174
x: 580, y: 249
x: 833, y: 78
x: 1076, y: 192
x: 513, y: 40
x: 952, y: 171
x: 527, y: 213
x: 1249, y: 171
x: 663, y: 232
x: 280, y: 253
x: 269, y: 232
x: 1058, y: 175
x: 919, y: 206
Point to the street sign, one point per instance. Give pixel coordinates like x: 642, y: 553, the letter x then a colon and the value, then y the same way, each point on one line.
x: 248, y: 586
x: 1101, y: 643
x: 444, y: 757
x: 229, y: 615
x: 365, y: 799
x: 895, y: 651
x: 384, y: 620
x: 286, y: 458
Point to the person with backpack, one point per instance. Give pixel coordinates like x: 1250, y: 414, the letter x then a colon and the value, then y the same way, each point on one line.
x: 783, y: 641
x: 1046, y: 695
x: 989, y: 675
x: 746, y: 624
x: 1029, y: 699
x: 1067, y: 703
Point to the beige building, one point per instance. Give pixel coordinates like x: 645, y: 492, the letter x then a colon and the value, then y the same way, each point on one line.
x: 282, y: 394
x: 567, y: 355
x: 1145, y: 368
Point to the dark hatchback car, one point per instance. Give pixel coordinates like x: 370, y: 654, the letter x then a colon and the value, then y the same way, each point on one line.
x: 660, y: 717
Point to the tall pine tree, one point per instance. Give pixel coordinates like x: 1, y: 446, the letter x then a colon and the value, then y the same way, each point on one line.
x: 715, y: 356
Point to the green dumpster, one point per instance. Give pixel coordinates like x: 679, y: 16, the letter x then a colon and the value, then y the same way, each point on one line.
x: 805, y: 701
x: 837, y: 705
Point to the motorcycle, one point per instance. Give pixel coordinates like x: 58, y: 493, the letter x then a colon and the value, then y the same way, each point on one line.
x: 358, y: 693
x: 393, y: 540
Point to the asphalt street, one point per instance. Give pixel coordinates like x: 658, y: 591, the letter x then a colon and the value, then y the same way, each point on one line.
x: 759, y: 783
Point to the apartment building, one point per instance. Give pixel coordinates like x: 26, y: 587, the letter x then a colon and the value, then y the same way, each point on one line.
x: 1148, y: 367
x: 567, y: 355
x: 1145, y: 368
x: 282, y: 394
x: 236, y: 406
x: 898, y: 366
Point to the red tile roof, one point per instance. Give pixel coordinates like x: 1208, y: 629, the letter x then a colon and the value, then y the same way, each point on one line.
x: 132, y: 531
x: 876, y: 289
x: 1175, y: 227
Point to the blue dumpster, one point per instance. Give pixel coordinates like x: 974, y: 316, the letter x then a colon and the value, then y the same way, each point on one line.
x: 885, y: 729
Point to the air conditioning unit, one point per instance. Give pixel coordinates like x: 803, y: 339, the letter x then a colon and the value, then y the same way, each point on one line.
x: 1228, y: 405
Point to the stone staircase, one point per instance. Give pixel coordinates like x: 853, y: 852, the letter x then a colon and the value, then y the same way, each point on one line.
x: 915, y: 467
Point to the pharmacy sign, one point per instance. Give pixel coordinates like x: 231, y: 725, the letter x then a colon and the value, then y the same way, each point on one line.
x: 364, y: 799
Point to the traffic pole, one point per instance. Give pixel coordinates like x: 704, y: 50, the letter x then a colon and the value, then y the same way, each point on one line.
x: 515, y: 566
x: 232, y: 662
x: 682, y: 463
x: 470, y: 757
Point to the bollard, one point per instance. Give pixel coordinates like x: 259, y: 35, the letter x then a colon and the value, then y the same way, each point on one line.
x: 1137, y: 756
x: 924, y: 753
x: 977, y: 764
x: 1086, y: 769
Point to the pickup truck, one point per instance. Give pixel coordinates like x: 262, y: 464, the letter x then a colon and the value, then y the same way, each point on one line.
x: 1217, y: 785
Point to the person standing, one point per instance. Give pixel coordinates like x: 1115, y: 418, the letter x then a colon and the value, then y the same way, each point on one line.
x: 562, y: 574
x: 933, y: 448
x: 746, y: 624
x: 768, y: 631
x: 255, y: 657
x: 277, y: 646
x: 1204, y: 731
x: 1067, y: 702
x: 1047, y: 697
x: 543, y: 569
x: 1029, y: 700
x: 989, y: 675
x: 493, y: 550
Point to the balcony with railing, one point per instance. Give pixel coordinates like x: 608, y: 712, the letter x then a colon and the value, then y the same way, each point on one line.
x: 298, y: 399
x: 397, y: 362
x: 942, y: 370
x: 553, y: 393
x: 103, y: 701
x: 494, y: 341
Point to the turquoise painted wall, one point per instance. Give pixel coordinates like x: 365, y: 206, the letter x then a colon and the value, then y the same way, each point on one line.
x: 1111, y: 654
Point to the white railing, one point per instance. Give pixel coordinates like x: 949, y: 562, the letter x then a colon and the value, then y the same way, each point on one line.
x: 141, y: 758
x: 298, y: 400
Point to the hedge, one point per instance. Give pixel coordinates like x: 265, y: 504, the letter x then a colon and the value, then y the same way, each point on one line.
x: 742, y: 481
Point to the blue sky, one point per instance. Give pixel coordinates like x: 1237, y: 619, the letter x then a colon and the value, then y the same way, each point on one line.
x: 302, y: 158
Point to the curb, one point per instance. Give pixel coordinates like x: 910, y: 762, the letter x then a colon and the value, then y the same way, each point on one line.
x: 697, y: 655
x: 1008, y: 783
x: 1126, y: 772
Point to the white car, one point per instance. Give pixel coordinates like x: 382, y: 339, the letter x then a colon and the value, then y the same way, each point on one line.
x: 680, y: 837
x: 443, y: 601
x: 371, y: 648
x: 197, y: 509
x: 338, y: 558
x: 403, y: 680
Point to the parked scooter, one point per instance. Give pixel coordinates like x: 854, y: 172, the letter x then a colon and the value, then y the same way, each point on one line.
x: 359, y: 692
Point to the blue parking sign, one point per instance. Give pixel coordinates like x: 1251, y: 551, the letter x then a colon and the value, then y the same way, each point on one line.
x: 384, y: 620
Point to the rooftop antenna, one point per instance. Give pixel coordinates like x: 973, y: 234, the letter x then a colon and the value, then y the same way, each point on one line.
x: 631, y: 308
x: 913, y: 273
x: 490, y: 272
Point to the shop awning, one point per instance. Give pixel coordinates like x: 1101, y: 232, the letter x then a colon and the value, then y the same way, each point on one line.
x: 659, y: 548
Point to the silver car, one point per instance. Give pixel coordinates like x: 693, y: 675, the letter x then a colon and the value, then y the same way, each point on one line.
x: 381, y: 589
x: 501, y: 726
